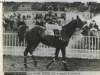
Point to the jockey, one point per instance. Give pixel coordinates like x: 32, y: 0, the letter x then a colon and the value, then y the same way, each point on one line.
x: 39, y: 20
x: 52, y: 24
x: 50, y: 17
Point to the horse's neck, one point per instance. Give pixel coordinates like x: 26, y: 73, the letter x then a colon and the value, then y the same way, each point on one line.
x: 66, y: 35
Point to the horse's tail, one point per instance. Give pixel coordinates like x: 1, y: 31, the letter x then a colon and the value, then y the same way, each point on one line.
x: 21, y: 33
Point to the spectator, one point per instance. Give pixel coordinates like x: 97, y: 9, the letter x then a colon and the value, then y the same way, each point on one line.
x: 21, y: 23
x: 19, y: 17
x: 5, y: 23
x: 63, y: 15
x: 93, y: 25
x: 24, y: 17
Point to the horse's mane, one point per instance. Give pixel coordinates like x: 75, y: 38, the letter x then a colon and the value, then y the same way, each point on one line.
x: 68, y: 29
x: 69, y: 26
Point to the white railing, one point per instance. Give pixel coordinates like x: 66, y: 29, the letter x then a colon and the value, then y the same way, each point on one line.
x: 79, y: 47
x: 11, y: 40
x: 12, y: 46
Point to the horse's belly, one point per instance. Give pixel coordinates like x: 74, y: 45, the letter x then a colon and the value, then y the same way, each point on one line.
x: 52, y: 41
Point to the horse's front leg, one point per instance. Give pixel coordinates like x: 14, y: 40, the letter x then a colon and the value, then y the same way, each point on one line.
x: 54, y: 59
x: 63, y: 58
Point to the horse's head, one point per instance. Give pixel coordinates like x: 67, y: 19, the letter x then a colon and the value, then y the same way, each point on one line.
x: 73, y: 25
x: 70, y: 28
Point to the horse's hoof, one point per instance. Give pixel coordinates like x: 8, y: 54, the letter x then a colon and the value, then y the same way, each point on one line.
x: 65, y: 66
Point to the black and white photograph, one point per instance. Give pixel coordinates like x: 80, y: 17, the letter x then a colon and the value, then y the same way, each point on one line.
x: 51, y: 36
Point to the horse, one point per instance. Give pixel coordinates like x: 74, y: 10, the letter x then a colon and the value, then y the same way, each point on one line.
x: 37, y: 34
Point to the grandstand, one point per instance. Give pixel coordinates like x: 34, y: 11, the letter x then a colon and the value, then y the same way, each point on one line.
x: 58, y: 6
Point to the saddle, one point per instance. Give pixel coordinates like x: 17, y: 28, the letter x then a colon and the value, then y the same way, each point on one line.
x: 53, y: 30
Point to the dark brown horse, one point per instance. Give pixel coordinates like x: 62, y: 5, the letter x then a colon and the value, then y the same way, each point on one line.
x: 36, y: 35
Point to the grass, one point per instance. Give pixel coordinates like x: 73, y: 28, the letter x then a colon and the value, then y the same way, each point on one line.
x: 15, y: 63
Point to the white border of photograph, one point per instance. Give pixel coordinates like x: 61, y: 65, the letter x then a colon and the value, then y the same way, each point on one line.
x: 1, y: 49
x: 52, y: 0
x: 56, y: 73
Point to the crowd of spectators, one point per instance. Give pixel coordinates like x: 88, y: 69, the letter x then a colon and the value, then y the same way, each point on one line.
x: 11, y: 23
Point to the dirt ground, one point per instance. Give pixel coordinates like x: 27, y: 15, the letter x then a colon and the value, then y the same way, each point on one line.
x: 15, y: 63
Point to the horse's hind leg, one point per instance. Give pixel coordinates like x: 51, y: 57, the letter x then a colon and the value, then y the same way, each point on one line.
x: 56, y: 57
x: 25, y: 57
x: 32, y: 49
